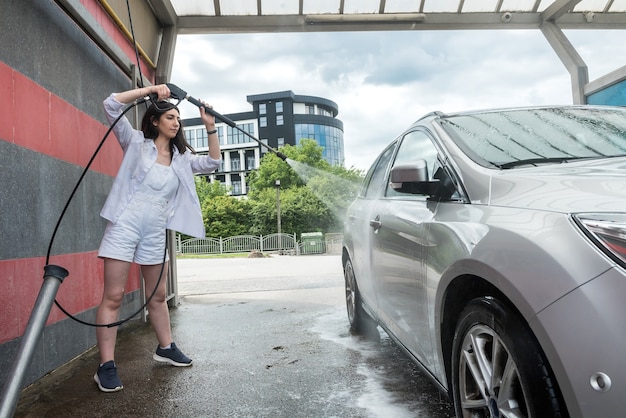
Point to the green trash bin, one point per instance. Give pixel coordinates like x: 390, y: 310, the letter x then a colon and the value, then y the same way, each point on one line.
x: 312, y: 243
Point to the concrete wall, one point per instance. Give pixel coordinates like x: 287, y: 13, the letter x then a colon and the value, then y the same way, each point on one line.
x: 53, y: 79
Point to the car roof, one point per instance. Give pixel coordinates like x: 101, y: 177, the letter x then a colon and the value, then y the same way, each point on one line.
x: 441, y: 115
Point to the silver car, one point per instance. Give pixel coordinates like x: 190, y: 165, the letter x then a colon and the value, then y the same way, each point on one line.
x: 491, y: 246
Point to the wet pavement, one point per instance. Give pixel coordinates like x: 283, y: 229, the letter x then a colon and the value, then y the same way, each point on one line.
x: 269, y: 338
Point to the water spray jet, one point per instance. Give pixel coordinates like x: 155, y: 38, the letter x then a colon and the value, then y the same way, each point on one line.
x: 179, y: 94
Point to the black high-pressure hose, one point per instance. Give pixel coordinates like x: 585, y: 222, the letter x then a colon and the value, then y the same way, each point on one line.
x: 56, y: 228
x: 177, y: 94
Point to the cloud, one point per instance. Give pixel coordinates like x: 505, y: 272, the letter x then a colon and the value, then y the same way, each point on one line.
x: 384, y: 81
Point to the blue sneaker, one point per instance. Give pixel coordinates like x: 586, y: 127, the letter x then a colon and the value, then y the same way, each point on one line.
x: 172, y: 355
x: 107, y: 379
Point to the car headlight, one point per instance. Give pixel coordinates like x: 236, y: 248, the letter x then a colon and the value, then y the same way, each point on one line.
x: 607, y: 231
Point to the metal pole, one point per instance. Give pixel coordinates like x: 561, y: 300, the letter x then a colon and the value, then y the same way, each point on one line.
x: 53, y: 277
x: 172, y: 275
x: 280, y: 238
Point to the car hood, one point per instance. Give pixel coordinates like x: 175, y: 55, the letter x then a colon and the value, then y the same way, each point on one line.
x: 593, y: 185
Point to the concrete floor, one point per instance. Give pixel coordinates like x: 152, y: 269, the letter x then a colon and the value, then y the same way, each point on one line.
x: 269, y: 338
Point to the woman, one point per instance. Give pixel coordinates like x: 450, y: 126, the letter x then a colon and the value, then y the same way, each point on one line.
x: 154, y: 190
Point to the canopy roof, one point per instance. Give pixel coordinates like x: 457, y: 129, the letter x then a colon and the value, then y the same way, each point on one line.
x: 234, y: 16
x: 171, y: 18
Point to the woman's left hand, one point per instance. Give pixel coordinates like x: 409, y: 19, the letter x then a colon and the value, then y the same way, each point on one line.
x: 207, y: 118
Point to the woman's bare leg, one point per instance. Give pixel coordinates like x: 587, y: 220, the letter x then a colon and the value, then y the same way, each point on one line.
x: 115, y: 278
x: 157, y: 308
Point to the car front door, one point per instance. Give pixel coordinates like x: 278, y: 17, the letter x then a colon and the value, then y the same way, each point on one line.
x: 360, y: 232
x: 399, y: 245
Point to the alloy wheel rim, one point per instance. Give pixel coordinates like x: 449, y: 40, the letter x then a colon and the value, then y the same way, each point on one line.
x: 350, y: 292
x: 489, y: 379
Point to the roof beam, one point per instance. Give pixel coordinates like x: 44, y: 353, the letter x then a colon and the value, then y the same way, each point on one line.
x: 217, y: 7
x: 391, y: 22
x: 570, y: 58
x: 166, y: 55
x: 164, y: 12
x: 558, y: 9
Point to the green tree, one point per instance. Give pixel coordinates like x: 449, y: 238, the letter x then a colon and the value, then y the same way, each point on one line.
x: 300, y: 210
x: 336, y: 191
x: 206, y: 189
x: 270, y: 169
x: 226, y: 216
x: 313, y: 196
x: 306, y: 155
x: 223, y: 214
x: 308, y: 183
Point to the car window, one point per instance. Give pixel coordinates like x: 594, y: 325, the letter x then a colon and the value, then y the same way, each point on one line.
x: 551, y: 135
x: 378, y: 174
x: 415, y: 145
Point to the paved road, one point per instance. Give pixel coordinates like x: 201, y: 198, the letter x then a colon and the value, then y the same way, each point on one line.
x: 269, y: 338
x: 267, y: 274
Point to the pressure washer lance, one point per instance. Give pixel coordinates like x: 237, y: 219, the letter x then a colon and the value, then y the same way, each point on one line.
x: 179, y: 94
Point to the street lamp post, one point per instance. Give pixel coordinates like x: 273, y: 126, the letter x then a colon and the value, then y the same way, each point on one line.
x: 280, y: 239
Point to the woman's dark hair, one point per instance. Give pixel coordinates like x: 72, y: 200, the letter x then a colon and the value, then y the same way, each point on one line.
x: 154, y: 112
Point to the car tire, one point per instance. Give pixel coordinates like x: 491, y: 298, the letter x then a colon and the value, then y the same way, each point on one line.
x: 360, y: 321
x: 498, y: 368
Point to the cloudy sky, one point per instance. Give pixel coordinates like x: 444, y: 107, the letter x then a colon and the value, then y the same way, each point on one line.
x: 384, y: 81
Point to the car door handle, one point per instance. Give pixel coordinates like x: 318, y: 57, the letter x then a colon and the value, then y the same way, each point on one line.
x: 376, y: 224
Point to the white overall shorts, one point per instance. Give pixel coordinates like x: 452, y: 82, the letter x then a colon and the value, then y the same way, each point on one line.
x: 139, y: 234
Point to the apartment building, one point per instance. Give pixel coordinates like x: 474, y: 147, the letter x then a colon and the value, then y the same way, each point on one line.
x: 277, y: 119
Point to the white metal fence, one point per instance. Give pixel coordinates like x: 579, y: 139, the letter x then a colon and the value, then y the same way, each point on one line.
x: 331, y: 244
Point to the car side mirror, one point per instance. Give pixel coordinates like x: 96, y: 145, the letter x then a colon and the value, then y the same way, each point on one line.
x: 412, y: 178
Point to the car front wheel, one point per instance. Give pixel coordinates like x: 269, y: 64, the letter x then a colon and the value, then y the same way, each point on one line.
x: 498, y: 367
x: 360, y: 321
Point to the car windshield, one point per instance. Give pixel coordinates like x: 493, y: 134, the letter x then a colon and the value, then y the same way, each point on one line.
x: 511, y: 138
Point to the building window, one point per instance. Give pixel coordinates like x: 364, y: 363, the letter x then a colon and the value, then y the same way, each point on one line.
x: 190, y: 137
x: 236, y: 188
x: 262, y: 108
x: 279, y: 120
x: 328, y: 137
x: 281, y: 142
x: 309, y: 109
x: 235, y: 163
x: 279, y: 107
x: 202, y: 140
x: 263, y: 121
x: 220, y: 135
x: 250, y: 161
x: 235, y: 136
x: 264, y: 149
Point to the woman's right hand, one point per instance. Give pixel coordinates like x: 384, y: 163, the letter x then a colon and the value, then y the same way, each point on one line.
x: 161, y: 90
